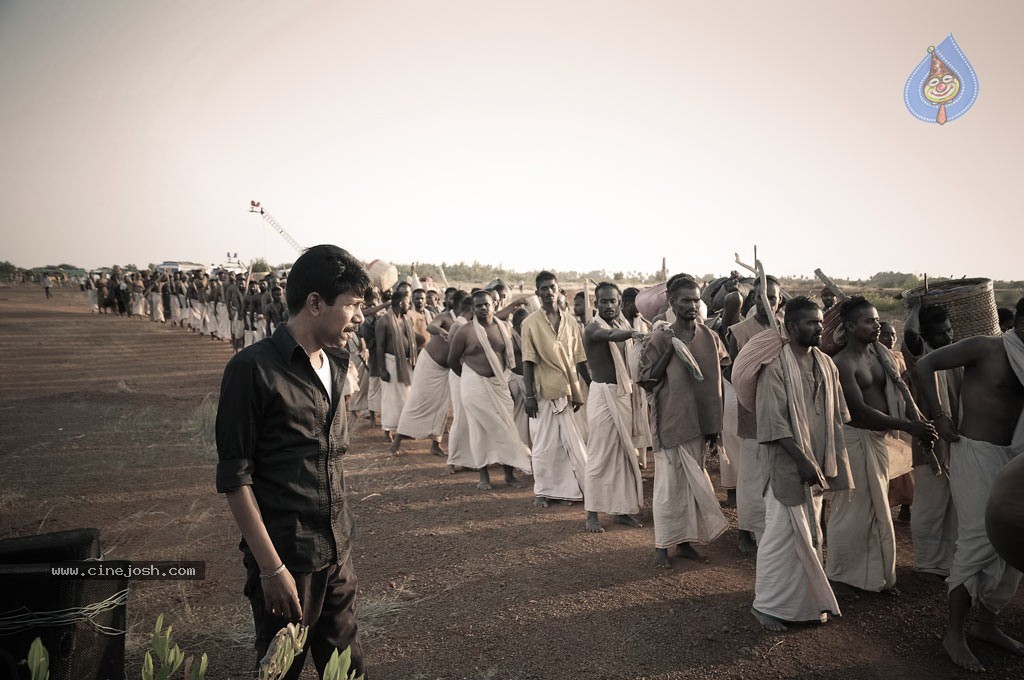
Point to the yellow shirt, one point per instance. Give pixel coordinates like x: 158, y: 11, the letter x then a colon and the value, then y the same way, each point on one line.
x: 554, y: 355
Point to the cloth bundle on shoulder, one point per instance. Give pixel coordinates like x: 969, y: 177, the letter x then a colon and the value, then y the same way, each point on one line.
x: 760, y: 350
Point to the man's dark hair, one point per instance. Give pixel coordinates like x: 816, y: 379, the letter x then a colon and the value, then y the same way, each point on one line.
x: 882, y: 325
x: 606, y: 284
x: 544, y: 276
x: 450, y: 289
x: 520, y: 314
x: 457, y: 297
x: 932, y: 316
x: 1019, y: 315
x: 851, y: 306
x: 465, y: 304
x: 630, y: 293
x: 797, y: 306
x: 577, y: 296
x: 327, y: 270
x: 482, y: 292
x: 398, y: 296
x: 768, y: 278
x: 681, y: 281
x: 1005, y: 315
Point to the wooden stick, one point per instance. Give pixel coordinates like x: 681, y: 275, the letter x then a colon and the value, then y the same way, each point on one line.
x: 830, y: 284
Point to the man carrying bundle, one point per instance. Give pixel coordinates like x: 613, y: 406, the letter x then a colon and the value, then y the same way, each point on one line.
x: 861, y: 539
x: 481, y: 353
x: 613, y: 483
x: 681, y: 367
x: 991, y: 433
x: 746, y: 476
x: 800, y: 414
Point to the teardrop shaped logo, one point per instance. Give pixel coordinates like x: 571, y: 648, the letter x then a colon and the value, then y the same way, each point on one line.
x: 943, y: 86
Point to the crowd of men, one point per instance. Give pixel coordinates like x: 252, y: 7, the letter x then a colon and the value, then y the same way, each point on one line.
x: 230, y: 307
x: 579, y: 399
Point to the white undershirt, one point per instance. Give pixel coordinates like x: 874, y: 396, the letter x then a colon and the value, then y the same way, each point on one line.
x: 324, y: 373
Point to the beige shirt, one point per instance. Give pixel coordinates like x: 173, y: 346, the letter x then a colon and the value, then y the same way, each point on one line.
x: 683, y: 407
x: 773, y: 424
x: 554, y: 355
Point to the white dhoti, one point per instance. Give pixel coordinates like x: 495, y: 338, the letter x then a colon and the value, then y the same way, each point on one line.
x: 156, y: 307
x: 459, y: 451
x: 223, y: 328
x: 138, y: 304
x: 361, y: 397
x: 427, y: 406
x: 237, y: 326
x: 861, y: 539
x: 559, y: 455
x: 685, y: 507
x: 260, y: 331
x: 374, y: 398
x: 196, y: 312
x: 642, y: 436
x: 487, y: 407
x: 351, y: 381
x: 93, y: 300
x: 730, y: 464
x: 393, y: 395
x: 750, y: 487
x: 178, y: 309
x: 205, y: 325
x: 613, y: 482
x: 791, y: 584
x: 973, y: 466
x: 517, y: 387
x: 932, y: 522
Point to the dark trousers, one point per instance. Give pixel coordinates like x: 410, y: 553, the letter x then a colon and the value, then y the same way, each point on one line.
x: 328, y: 600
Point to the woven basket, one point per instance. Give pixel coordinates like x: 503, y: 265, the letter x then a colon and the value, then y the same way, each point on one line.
x: 970, y: 304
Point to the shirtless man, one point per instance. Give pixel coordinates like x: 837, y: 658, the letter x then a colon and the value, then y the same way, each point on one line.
x: 613, y: 482
x: 990, y: 433
x: 486, y: 401
x: 429, y: 395
x: 861, y: 538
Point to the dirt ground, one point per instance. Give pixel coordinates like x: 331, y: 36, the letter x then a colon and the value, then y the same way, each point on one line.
x: 98, y: 430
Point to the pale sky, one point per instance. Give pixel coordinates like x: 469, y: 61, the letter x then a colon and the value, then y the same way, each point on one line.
x: 554, y: 134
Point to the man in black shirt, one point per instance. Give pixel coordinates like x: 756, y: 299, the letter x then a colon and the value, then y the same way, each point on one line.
x: 281, y: 432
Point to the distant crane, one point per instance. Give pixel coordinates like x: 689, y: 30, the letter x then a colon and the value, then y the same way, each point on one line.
x: 254, y: 207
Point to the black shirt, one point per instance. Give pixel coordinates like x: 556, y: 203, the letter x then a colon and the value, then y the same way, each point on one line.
x: 278, y: 431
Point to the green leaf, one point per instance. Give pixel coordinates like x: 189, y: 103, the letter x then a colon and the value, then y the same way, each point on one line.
x: 147, y: 667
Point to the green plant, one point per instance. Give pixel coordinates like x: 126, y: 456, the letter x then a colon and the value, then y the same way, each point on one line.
x: 38, y: 661
x: 170, y: 658
x: 339, y: 667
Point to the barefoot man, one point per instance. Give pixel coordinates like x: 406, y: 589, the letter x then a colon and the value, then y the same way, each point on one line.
x: 681, y: 367
x: 553, y: 359
x: 481, y: 353
x: 429, y: 397
x: 800, y: 414
x: 861, y: 539
x: 748, y: 472
x: 396, y: 357
x: 613, y: 483
x: 991, y: 433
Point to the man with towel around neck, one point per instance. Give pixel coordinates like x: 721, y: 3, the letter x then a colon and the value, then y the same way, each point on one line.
x: 481, y: 353
x: 396, y: 356
x: 613, y: 483
x: 681, y: 367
